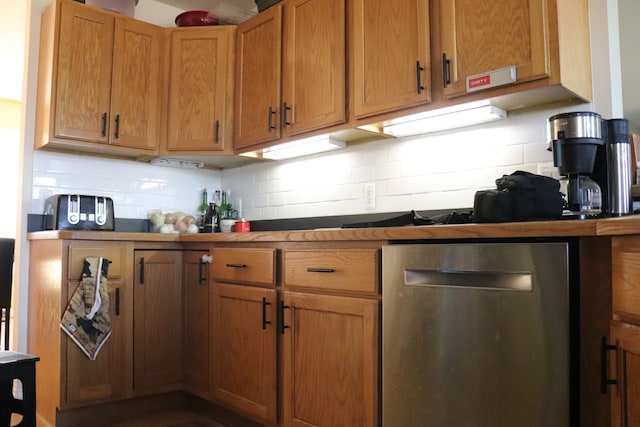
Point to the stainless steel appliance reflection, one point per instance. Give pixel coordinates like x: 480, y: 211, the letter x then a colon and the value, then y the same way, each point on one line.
x: 476, y: 335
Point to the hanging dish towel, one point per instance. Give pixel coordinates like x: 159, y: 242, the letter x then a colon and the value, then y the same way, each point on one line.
x: 87, y: 320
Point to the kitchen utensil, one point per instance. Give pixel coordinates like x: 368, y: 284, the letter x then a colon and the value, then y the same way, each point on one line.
x: 192, y: 18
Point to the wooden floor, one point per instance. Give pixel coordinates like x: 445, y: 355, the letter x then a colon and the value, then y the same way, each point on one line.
x: 164, y: 419
x: 169, y: 419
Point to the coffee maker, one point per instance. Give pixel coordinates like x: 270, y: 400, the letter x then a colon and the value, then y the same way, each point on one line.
x: 593, y: 156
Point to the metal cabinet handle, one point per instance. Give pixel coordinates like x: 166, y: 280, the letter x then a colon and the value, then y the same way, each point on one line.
x: 142, y: 271
x: 104, y: 124
x: 117, y: 133
x: 217, y: 141
x: 283, y: 307
x: 285, y: 108
x: 320, y: 270
x: 271, y: 114
x: 237, y: 265
x: 265, y: 322
x: 419, y: 70
x: 446, y: 70
x: 605, y: 381
x: 117, y: 301
x: 201, y: 278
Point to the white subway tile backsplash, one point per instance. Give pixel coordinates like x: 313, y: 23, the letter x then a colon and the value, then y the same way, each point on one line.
x: 136, y: 188
x: 423, y: 172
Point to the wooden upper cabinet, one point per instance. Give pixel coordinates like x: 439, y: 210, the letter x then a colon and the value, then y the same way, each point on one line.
x: 480, y: 37
x: 82, y: 84
x: 201, y: 90
x: 313, y: 65
x: 391, y: 55
x: 258, y: 62
x: 290, y: 71
x: 136, y: 85
x: 99, y: 81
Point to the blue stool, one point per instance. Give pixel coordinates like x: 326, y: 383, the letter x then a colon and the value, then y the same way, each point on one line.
x: 17, y: 366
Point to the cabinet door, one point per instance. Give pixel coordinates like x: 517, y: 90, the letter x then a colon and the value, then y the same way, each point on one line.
x: 200, y: 89
x: 82, y: 85
x: 330, y: 359
x: 258, y: 62
x: 314, y: 65
x: 625, y: 396
x: 479, y: 37
x: 136, y: 85
x: 196, y: 322
x: 157, y: 322
x: 391, y: 55
x: 107, y: 377
x: 244, y: 349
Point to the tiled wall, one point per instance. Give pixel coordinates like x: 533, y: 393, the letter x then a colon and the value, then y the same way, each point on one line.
x: 437, y: 171
x: 136, y: 188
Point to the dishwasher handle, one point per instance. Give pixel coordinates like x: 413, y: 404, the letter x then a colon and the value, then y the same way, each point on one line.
x: 495, y: 280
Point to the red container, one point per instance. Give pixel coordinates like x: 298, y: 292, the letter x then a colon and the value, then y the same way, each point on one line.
x: 242, y: 226
x: 193, y: 18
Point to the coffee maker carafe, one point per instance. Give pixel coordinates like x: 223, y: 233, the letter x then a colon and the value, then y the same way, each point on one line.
x: 594, y: 157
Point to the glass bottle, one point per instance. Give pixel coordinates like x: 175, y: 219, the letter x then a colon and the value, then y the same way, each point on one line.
x: 202, y: 210
x: 216, y: 219
x: 209, y: 219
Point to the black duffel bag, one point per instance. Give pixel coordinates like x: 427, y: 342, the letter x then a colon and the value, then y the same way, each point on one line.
x: 521, y: 196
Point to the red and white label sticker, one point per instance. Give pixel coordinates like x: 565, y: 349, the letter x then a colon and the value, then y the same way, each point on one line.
x: 478, y: 82
x: 501, y: 77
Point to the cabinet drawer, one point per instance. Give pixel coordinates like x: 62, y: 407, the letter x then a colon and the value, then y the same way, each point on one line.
x: 77, y: 254
x: 626, y: 276
x: 253, y: 266
x: 353, y: 270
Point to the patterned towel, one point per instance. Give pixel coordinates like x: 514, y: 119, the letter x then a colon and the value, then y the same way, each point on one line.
x: 87, y: 320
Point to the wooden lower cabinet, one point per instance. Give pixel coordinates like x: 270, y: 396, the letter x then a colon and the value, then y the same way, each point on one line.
x: 157, y: 320
x: 329, y: 360
x: 66, y: 378
x: 625, y: 395
x: 196, y: 321
x: 244, y: 349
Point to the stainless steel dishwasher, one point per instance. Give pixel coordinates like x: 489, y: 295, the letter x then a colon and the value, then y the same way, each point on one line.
x: 476, y: 335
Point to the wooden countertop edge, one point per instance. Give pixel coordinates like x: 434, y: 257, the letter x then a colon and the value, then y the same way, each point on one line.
x: 566, y: 228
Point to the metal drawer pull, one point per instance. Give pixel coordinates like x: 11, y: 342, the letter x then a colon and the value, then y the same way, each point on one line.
x: 604, y: 380
x: 496, y: 280
x: 237, y: 265
x: 117, y: 301
x: 320, y: 270
x: 265, y: 322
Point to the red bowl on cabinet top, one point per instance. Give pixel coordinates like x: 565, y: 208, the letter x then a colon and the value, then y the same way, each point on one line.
x: 192, y: 18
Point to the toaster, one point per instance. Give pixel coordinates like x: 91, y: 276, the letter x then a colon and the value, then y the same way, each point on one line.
x: 77, y: 212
